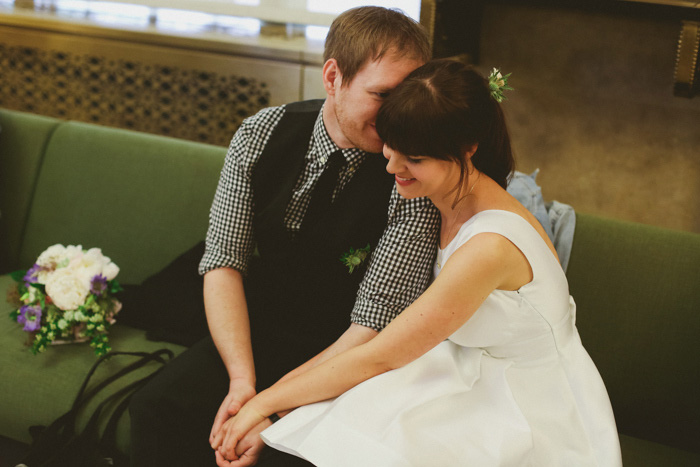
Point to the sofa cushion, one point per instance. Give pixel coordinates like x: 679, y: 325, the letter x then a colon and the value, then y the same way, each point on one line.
x: 636, y: 290
x: 142, y: 198
x: 36, y: 389
x: 23, y: 139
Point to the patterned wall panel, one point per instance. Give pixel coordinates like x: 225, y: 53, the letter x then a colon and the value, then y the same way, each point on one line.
x: 147, y: 91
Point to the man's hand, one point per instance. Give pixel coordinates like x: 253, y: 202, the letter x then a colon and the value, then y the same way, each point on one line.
x: 240, y: 392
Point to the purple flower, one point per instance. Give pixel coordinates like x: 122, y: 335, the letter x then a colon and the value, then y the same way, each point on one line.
x: 98, y: 286
x: 32, y: 275
x: 30, y: 316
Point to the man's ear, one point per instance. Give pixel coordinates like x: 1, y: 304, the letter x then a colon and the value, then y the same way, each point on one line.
x: 332, y: 77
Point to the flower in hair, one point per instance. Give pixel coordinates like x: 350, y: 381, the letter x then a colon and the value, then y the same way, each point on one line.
x: 497, y: 84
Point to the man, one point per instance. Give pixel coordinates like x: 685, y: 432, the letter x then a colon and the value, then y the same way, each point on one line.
x: 303, y: 184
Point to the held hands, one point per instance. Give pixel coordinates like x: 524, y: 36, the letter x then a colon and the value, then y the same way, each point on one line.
x: 240, y: 391
x: 239, y: 436
x: 251, y: 446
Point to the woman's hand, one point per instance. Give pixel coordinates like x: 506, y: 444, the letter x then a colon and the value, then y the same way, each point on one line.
x: 248, y: 449
x: 235, y: 428
x: 240, y: 392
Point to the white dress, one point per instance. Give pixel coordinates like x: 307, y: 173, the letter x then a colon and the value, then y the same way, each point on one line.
x: 512, y: 387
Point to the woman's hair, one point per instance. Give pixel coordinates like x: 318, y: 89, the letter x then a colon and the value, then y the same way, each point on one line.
x: 368, y: 33
x: 440, y: 111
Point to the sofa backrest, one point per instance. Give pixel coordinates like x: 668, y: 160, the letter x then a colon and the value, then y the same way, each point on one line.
x: 637, y: 290
x: 143, y: 199
x: 23, y: 139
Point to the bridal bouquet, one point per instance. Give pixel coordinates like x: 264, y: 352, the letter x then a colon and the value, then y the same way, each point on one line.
x: 67, y: 296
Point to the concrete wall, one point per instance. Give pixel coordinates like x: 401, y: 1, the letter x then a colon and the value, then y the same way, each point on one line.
x: 594, y: 110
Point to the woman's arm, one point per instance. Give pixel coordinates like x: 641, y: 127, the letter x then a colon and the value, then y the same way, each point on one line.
x: 484, y: 263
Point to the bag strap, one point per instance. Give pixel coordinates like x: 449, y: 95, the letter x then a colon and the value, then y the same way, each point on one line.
x: 51, y: 442
x: 146, y: 357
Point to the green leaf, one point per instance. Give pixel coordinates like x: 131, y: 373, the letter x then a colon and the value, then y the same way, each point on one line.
x: 41, y: 287
x: 114, y: 286
x: 18, y: 276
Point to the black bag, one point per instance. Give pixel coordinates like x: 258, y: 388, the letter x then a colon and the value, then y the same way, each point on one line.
x: 59, y: 445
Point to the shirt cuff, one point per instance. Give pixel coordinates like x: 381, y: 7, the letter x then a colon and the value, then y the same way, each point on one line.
x: 372, y: 314
x: 216, y: 260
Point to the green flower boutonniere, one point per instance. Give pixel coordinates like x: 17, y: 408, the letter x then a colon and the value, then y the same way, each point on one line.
x: 354, y: 258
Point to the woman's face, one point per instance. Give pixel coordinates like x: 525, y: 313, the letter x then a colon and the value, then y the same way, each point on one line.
x: 420, y: 176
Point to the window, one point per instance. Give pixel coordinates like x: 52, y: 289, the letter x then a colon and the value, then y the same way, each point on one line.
x: 312, y: 17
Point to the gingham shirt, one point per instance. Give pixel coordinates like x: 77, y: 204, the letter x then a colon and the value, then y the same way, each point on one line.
x: 400, y: 265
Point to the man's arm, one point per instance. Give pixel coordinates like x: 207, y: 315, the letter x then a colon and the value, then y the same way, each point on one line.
x: 228, y: 248
x: 229, y: 325
x: 400, y: 267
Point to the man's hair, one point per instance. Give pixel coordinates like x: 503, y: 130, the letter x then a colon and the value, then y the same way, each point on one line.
x: 367, y: 33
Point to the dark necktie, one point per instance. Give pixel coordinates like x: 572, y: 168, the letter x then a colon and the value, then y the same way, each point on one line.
x: 322, y: 194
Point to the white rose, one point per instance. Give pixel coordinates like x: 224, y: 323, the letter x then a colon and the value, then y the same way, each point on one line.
x: 42, y: 276
x: 110, y: 271
x: 87, y: 265
x: 52, y: 256
x: 67, y: 289
x: 73, y: 251
x: 92, y: 263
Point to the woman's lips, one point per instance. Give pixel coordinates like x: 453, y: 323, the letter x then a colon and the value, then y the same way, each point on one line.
x: 404, y: 181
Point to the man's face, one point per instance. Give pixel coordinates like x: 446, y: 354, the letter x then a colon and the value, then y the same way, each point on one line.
x: 353, y: 108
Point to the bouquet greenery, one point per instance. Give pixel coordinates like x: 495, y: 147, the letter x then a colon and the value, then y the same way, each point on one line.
x: 67, y: 296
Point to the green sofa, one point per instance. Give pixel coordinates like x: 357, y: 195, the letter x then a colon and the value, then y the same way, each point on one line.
x: 145, y: 199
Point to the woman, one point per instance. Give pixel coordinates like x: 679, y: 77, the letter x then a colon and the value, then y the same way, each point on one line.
x: 486, y: 367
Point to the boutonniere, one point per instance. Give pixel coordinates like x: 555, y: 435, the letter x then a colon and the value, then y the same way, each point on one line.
x: 353, y: 258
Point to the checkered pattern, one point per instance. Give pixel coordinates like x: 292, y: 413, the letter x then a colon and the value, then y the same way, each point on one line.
x: 400, y: 266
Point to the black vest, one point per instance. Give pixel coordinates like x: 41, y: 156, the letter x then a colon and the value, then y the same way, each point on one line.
x: 300, y: 294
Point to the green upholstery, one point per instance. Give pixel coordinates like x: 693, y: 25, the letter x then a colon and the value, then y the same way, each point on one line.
x: 37, y: 389
x: 637, y: 290
x: 143, y: 199
x: 23, y: 138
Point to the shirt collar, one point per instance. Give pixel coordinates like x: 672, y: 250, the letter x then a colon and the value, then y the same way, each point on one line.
x: 323, y: 146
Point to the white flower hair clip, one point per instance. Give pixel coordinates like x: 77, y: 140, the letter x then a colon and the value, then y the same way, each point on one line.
x: 497, y: 84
